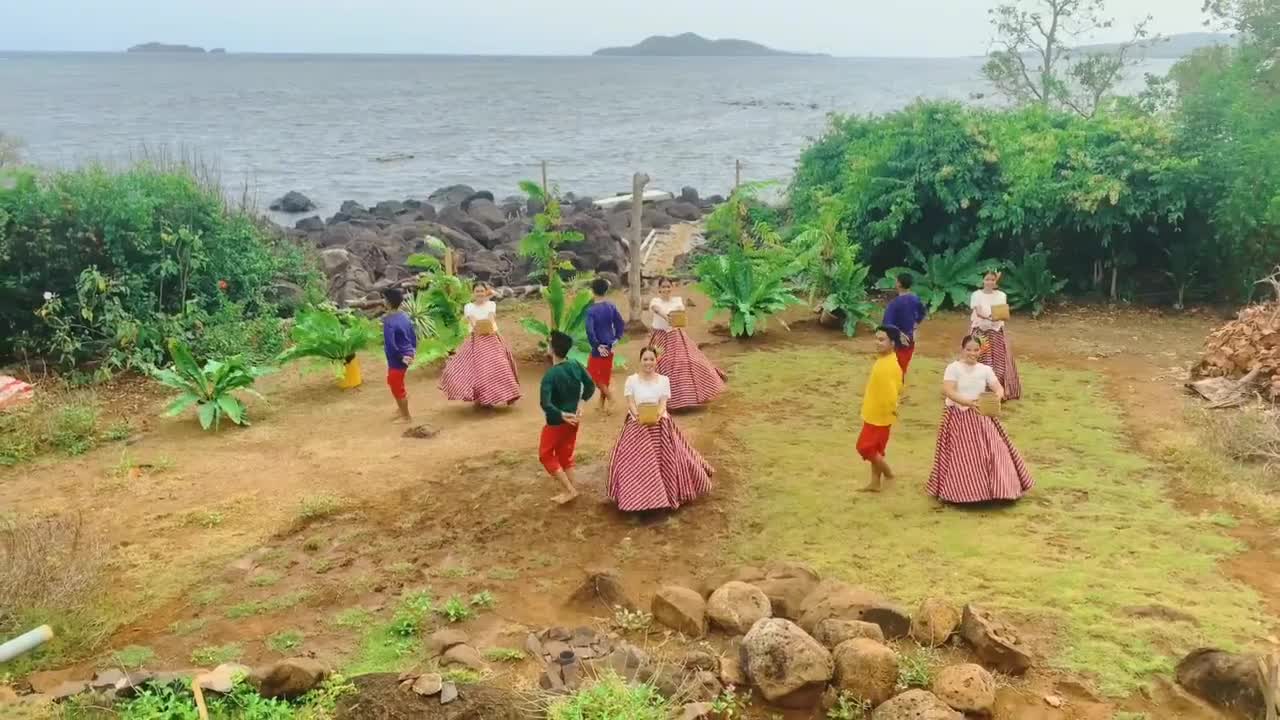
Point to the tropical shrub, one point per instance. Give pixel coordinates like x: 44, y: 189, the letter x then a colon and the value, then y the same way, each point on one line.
x: 209, y: 388
x: 1031, y: 283
x: 847, y: 294
x: 325, y: 333
x: 947, y: 278
x: 749, y: 290
x: 820, y: 248
x: 542, y: 244
x: 106, y: 266
x: 567, y: 313
x: 436, y: 310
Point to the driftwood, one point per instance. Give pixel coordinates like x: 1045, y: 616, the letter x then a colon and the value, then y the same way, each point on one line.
x: 1222, y: 392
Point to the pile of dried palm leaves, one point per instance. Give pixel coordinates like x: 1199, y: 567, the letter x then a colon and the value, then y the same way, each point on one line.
x: 1242, y: 358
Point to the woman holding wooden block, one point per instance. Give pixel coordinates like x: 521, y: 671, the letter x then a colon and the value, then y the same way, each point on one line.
x: 990, y: 312
x: 654, y: 467
x: 482, y: 371
x: 694, y: 380
x: 975, y: 461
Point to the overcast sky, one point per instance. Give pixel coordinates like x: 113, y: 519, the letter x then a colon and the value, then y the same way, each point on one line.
x: 915, y: 28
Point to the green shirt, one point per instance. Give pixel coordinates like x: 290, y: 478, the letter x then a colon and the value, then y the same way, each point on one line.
x: 562, y: 387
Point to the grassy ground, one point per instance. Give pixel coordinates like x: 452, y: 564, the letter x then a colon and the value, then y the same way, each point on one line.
x: 1077, y: 561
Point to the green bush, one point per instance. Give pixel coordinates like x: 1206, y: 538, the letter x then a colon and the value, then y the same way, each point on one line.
x: 105, y: 266
x: 1031, y: 283
x: 330, y: 335
x: 210, y: 388
x: 749, y: 290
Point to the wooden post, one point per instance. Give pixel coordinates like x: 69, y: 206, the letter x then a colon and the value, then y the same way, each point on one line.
x: 544, y: 178
x: 449, y: 262
x: 638, y: 181
x: 737, y: 175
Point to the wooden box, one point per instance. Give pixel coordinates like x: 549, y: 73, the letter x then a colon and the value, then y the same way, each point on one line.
x: 999, y: 312
x: 989, y: 404
x: 648, y: 413
x: 486, y: 327
x: 678, y: 319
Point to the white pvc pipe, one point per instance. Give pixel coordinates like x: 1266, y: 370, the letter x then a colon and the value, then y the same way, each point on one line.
x: 25, y: 643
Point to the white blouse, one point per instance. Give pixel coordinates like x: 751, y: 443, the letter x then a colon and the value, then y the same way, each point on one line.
x: 474, y: 313
x: 981, y: 300
x: 658, y: 305
x: 971, y: 380
x: 649, y: 392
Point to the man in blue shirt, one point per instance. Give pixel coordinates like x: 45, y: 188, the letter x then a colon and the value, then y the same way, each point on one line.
x: 604, y: 329
x: 905, y: 312
x: 400, y: 343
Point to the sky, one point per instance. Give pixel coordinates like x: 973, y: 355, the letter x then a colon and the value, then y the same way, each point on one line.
x: 860, y: 28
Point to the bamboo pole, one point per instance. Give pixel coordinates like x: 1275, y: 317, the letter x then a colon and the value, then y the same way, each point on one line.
x: 544, y: 178
x: 737, y: 175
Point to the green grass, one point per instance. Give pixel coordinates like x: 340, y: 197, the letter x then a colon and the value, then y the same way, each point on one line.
x: 483, y: 600
x: 353, y: 618
x: 212, y: 655
x: 1095, y: 536
x: 272, y: 605
x: 505, y: 655
x: 285, y: 641
x: 461, y: 675
x: 318, y: 507
x: 265, y: 579
x: 133, y: 657
x: 383, y: 650
x: 454, y: 572
x: 611, y: 697
x: 207, y: 519
x: 209, y: 595
x: 503, y: 574
x: 455, y: 610
x: 187, y: 627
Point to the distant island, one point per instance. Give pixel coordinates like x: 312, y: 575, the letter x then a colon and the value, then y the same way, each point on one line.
x: 694, y: 45
x: 1170, y: 47
x: 155, y: 47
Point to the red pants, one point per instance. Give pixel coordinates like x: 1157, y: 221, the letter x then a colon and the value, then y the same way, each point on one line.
x: 874, y: 440
x: 555, y: 449
x: 395, y: 381
x: 904, y: 357
x: 601, y: 371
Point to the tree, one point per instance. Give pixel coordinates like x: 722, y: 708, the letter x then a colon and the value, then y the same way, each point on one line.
x: 1033, y: 60
x: 9, y: 150
x: 1257, y: 20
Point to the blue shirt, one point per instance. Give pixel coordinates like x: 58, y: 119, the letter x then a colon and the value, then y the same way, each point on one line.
x: 905, y: 312
x: 398, y: 339
x: 604, y: 326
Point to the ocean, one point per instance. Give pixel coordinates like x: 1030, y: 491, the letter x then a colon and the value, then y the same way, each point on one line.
x: 320, y: 123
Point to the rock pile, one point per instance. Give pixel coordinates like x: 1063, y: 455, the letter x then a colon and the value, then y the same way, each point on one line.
x: 365, y: 249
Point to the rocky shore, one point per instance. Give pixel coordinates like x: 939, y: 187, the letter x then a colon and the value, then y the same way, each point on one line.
x: 366, y: 249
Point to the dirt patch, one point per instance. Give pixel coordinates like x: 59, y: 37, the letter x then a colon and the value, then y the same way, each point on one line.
x: 379, y: 697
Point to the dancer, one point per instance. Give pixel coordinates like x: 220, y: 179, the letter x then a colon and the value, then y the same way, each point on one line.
x: 905, y: 312
x: 400, y: 343
x: 604, y: 329
x: 975, y: 461
x: 880, y: 406
x: 991, y: 333
x: 694, y: 380
x: 563, y: 387
x: 483, y: 370
x: 653, y: 466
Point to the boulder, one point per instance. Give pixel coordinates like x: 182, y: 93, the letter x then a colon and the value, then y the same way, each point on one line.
x: 894, y: 620
x: 837, y: 600
x: 601, y: 588
x: 222, y: 679
x: 788, y: 666
x: 288, y: 679
x: 1227, y: 680
x: 700, y: 660
x: 995, y: 643
x: 453, y: 238
x: 689, y: 195
x: 293, y: 202
x: 684, y: 211
x: 599, y: 251
x: 473, y: 197
x: 915, y: 705
x: 701, y: 686
x: 696, y: 711
x: 653, y: 218
x: 681, y: 609
x: 486, y: 212
x: 450, y: 195
x: 445, y: 638
x: 512, y: 232
x: 737, y: 606
x: 464, y: 655
x: 388, y: 209
x: 428, y: 684
x: 833, y: 633
x: 310, y: 224
x: 454, y: 217
x: 485, y: 265
x: 866, y: 669
x: 334, y: 261
x: 935, y: 622
x: 714, y: 200
x: 787, y: 585
x: 351, y: 207
x: 731, y: 670
x: 968, y: 688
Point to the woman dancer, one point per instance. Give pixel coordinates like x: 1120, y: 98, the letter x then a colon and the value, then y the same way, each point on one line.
x: 991, y: 333
x: 653, y: 466
x: 694, y: 380
x: 482, y: 371
x: 975, y: 461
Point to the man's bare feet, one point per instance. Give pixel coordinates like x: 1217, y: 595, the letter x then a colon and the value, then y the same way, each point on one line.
x: 564, y: 498
x: 871, y: 489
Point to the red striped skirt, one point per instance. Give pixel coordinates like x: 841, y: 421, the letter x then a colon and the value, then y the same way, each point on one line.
x: 975, y: 461
x: 482, y: 371
x: 654, y: 467
x: 995, y: 352
x: 694, y: 380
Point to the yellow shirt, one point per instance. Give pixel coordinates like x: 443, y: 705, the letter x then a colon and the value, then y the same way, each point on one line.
x: 880, y: 399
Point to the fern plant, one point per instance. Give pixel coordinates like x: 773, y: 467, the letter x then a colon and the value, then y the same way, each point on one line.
x: 749, y: 291
x: 1032, y: 283
x: 210, y: 388
x: 946, y: 278
x: 847, y: 294
x: 329, y: 334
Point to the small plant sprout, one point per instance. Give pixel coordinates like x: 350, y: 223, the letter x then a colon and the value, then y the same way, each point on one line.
x: 915, y: 670
x: 631, y: 620
x: 285, y: 641
x: 483, y: 600
x: 214, y: 655
x: 455, y: 610
x: 133, y: 657
x: 849, y: 707
x: 730, y: 704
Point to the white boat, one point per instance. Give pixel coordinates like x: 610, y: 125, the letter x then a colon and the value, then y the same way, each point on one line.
x: 649, y: 196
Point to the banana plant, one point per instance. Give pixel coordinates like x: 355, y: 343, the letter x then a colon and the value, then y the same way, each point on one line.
x: 209, y: 388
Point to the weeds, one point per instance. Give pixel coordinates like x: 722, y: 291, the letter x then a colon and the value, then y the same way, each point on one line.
x: 133, y: 657
x: 610, y: 697
x: 262, y: 607
x: 54, y: 421
x: 730, y: 704
x: 212, y: 655
x: 503, y: 574
x: 411, y: 616
x: 209, y: 596
x: 402, y: 569
x: 318, y: 507
x: 311, y: 545
x: 352, y: 618
x: 117, y: 431
x: 285, y: 641
x: 187, y: 627
x: 265, y: 579
x: 483, y: 600
x: 504, y: 655
x: 915, y: 669
x: 455, y: 572
x: 461, y: 675
x: 631, y: 620
x: 207, y: 519
x: 455, y: 610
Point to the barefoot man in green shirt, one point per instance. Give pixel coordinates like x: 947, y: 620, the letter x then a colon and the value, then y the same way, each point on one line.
x: 563, y: 387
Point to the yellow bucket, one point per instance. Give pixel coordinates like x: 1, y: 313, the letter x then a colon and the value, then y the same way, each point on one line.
x: 350, y: 375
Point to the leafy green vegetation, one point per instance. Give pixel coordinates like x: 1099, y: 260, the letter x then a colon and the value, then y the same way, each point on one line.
x: 209, y: 388
x: 329, y: 335
x: 455, y: 610
x: 285, y: 641
x: 1031, y: 283
x: 132, y: 657
x: 1073, y: 559
x: 212, y: 655
x: 608, y: 698
x: 483, y: 600
x: 56, y: 420
x: 749, y: 290
x: 175, y: 702
x: 504, y: 655
x: 946, y: 279
x: 545, y: 239
x: 436, y: 311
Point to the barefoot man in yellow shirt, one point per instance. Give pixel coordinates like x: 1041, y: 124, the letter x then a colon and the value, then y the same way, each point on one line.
x: 880, y: 406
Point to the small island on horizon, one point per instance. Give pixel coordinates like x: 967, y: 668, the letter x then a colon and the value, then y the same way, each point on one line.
x: 694, y: 45
x: 158, y: 47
